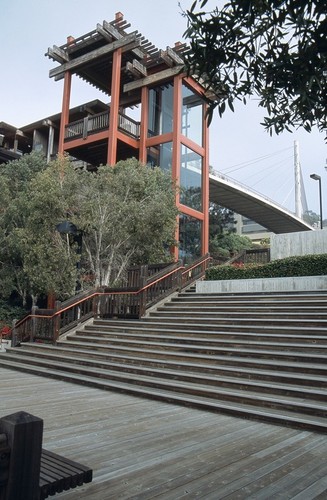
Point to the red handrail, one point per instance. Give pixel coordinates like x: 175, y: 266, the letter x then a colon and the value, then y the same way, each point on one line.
x: 181, y: 276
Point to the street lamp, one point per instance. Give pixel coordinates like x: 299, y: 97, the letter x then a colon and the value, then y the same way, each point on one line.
x: 318, y: 178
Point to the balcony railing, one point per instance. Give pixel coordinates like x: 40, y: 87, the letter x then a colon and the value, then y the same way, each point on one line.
x: 95, y: 123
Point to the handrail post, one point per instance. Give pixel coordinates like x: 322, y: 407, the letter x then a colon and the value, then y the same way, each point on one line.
x: 33, y: 328
x: 95, y: 305
x: 180, y: 278
x: 85, y: 126
x: 14, y: 333
x: 56, y: 322
x: 143, y: 294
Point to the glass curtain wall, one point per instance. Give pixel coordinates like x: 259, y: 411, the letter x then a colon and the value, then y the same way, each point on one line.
x: 190, y: 168
x: 160, y: 155
x: 192, y: 116
x: 160, y: 110
x: 191, y: 178
x: 191, y: 172
x: 190, y: 231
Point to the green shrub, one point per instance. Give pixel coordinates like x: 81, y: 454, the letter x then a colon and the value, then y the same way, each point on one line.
x: 307, y: 265
x: 9, y: 312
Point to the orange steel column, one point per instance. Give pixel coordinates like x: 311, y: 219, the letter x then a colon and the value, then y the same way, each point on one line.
x: 65, y: 110
x: 114, y: 107
x: 144, y: 124
x: 176, y: 159
x: 205, y: 185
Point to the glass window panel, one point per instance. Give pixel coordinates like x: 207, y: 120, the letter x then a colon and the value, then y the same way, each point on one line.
x: 190, y: 234
x: 192, y: 115
x: 160, y: 110
x: 191, y: 178
x: 160, y: 156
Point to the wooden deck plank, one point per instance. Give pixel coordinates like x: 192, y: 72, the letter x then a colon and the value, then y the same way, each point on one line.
x: 144, y: 449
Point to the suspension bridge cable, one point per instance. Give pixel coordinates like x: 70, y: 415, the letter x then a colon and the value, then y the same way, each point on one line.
x: 245, y: 164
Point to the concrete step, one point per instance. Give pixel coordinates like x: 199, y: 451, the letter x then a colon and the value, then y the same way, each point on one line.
x: 290, y: 373
x: 246, y: 308
x: 259, y: 298
x: 169, y: 315
x: 258, y: 356
x: 157, y: 324
x: 312, y: 344
x: 54, y: 356
x: 200, y: 335
x: 266, y: 298
x: 320, y: 356
x: 218, y: 314
x: 287, y: 411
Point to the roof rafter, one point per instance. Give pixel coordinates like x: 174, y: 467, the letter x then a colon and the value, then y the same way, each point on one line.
x: 126, y: 43
x: 111, y: 30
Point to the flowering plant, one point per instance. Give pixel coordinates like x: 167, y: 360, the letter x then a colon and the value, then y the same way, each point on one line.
x: 5, y: 330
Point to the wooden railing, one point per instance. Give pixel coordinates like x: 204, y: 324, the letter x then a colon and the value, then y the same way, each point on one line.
x: 95, y: 123
x: 195, y: 270
x: 250, y: 256
x: 132, y: 302
x: 128, y: 125
x: 144, y: 287
x: 45, y: 325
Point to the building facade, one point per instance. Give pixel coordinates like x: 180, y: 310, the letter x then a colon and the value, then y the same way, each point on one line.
x: 155, y: 113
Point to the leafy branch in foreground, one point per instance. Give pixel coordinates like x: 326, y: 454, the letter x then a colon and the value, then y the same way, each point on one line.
x: 275, y: 50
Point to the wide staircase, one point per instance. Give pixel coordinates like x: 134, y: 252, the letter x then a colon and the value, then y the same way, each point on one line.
x: 259, y: 356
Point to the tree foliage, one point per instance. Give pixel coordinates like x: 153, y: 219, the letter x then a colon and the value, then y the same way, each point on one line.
x: 125, y: 214
x: 223, y: 242
x: 221, y: 220
x: 14, y: 220
x: 311, y: 218
x: 275, y: 50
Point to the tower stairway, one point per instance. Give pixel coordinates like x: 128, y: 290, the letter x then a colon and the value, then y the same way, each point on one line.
x: 259, y: 356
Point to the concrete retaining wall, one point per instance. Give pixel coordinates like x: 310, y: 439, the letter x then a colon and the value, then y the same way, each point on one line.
x: 302, y: 243
x: 306, y: 283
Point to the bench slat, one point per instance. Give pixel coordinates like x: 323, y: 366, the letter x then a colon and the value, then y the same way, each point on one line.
x: 60, y: 473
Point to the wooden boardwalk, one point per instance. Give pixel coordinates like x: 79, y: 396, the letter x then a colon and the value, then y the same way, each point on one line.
x: 144, y: 449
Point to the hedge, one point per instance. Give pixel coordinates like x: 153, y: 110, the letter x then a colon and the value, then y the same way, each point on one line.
x: 307, y: 265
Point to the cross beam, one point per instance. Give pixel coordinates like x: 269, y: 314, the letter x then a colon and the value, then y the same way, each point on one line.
x: 126, y: 43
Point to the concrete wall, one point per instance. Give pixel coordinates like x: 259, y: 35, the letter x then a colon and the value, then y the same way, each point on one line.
x: 306, y: 283
x: 302, y: 243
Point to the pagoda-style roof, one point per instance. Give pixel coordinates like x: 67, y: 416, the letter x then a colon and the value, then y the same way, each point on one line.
x: 89, y: 57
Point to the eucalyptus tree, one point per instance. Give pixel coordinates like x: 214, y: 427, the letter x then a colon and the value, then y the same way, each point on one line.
x: 127, y: 215
x: 15, y: 178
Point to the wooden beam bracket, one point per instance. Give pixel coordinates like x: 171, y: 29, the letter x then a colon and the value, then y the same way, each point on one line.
x: 174, y: 56
x: 136, y: 68
x: 58, y: 54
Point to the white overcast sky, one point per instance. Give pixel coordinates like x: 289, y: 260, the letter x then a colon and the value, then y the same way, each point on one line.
x: 27, y: 94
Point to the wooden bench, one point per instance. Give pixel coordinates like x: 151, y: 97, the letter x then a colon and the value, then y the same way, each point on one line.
x: 28, y: 472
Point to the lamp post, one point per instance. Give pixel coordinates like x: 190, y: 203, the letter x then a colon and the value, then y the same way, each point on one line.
x: 318, y: 178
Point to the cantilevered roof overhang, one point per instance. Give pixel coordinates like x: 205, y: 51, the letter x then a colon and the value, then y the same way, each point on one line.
x: 91, y: 57
x: 242, y: 200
